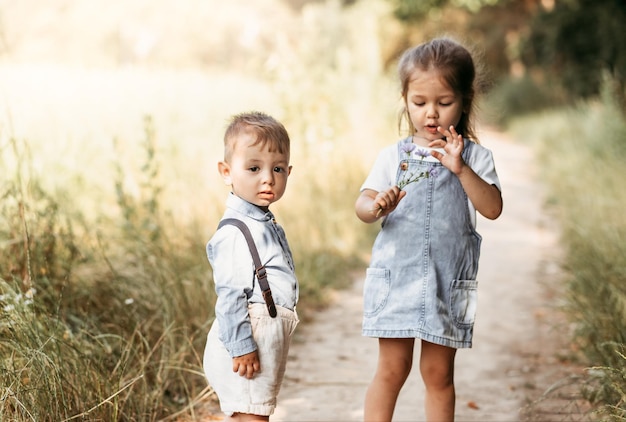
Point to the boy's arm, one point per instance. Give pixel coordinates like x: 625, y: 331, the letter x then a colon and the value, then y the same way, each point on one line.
x: 233, y: 276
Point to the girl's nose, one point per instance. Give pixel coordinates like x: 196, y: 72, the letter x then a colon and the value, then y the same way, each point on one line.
x: 432, y: 112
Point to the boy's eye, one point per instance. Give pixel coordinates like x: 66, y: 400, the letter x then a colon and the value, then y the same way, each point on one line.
x: 279, y: 169
x: 254, y: 169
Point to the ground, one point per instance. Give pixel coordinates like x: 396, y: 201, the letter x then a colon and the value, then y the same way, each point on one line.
x: 519, y: 368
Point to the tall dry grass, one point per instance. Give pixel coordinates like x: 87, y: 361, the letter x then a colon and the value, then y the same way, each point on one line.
x: 582, y: 153
x: 110, y: 191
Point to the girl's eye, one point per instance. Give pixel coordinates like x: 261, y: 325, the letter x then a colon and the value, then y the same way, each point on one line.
x: 445, y: 104
x: 419, y: 104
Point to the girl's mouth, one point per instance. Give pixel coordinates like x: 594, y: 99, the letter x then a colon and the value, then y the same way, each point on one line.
x: 432, y: 129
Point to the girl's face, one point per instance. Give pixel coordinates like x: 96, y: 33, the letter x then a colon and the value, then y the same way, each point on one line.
x: 255, y: 174
x: 431, y: 103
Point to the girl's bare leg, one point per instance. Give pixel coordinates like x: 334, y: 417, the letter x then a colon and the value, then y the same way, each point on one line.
x: 395, y: 358
x: 437, y: 368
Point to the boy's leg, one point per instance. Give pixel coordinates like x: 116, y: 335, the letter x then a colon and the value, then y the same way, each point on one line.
x: 395, y: 358
x: 437, y: 368
x: 246, y: 417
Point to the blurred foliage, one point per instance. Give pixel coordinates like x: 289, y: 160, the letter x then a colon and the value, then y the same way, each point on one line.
x: 581, y: 151
x: 514, y: 97
x: 568, y: 47
x: 101, y: 321
x: 411, y: 10
x: 580, y: 40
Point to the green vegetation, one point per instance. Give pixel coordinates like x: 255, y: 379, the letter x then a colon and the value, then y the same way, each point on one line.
x: 104, y: 317
x: 99, y: 319
x: 581, y: 153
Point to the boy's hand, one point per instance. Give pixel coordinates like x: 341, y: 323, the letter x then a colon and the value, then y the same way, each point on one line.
x: 247, y: 365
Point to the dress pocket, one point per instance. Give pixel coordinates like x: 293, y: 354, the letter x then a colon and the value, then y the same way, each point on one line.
x: 463, y: 301
x: 375, y: 290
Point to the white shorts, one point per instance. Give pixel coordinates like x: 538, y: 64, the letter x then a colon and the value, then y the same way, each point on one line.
x: 255, y: 396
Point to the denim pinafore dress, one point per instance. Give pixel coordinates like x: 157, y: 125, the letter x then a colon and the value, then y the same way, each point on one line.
x: 421, y: 282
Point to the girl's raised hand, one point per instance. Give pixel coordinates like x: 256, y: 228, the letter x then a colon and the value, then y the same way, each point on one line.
x: 452, y: 143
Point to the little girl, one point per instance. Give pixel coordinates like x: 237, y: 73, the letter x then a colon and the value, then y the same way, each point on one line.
x: 421, y: 282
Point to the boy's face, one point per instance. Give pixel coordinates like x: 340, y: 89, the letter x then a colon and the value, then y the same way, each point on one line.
x: 254, y: 173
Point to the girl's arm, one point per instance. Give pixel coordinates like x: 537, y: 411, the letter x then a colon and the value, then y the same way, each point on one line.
x: 371, y: 205
x: 486, y: 198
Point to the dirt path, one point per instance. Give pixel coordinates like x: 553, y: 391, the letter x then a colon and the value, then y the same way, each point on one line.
x: 519, y: 338
x: 331, y: 363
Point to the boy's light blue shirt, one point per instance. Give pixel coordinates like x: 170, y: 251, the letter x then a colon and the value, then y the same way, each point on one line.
x: 233, y: 272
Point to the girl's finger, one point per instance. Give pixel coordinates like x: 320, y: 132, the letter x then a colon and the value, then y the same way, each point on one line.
x: 438, y: 143
x: 443, y: 131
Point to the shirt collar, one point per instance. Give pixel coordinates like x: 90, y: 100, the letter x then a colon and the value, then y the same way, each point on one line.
x: 250, y: 210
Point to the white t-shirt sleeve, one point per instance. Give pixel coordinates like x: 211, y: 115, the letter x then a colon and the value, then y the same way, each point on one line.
x: 383, y: 173
x: 481, y: 161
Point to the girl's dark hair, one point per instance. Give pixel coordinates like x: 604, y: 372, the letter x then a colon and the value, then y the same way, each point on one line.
x: 267, y: 129
x: 455, y: 64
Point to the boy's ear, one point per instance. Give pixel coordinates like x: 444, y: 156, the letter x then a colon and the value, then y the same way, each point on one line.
x: 224, y: 170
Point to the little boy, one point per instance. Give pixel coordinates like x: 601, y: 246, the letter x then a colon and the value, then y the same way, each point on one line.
x: 246, y: 350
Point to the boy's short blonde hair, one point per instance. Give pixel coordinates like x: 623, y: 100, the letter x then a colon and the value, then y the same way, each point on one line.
x: 267, y: 129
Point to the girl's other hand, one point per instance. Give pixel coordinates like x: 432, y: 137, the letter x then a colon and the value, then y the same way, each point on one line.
x: 452, y: 144
x: 387, y: 201
x: 247, y: 365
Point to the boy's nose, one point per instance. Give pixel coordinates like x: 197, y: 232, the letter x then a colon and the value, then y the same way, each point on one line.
x: 268, y: 177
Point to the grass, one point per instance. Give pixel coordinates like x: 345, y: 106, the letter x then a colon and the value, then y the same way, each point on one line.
x: 105, y: 316
x: 581, y: 153
x: 110, y: 192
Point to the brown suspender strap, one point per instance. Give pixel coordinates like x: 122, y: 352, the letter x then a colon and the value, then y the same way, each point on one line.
x: 259, y: 269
